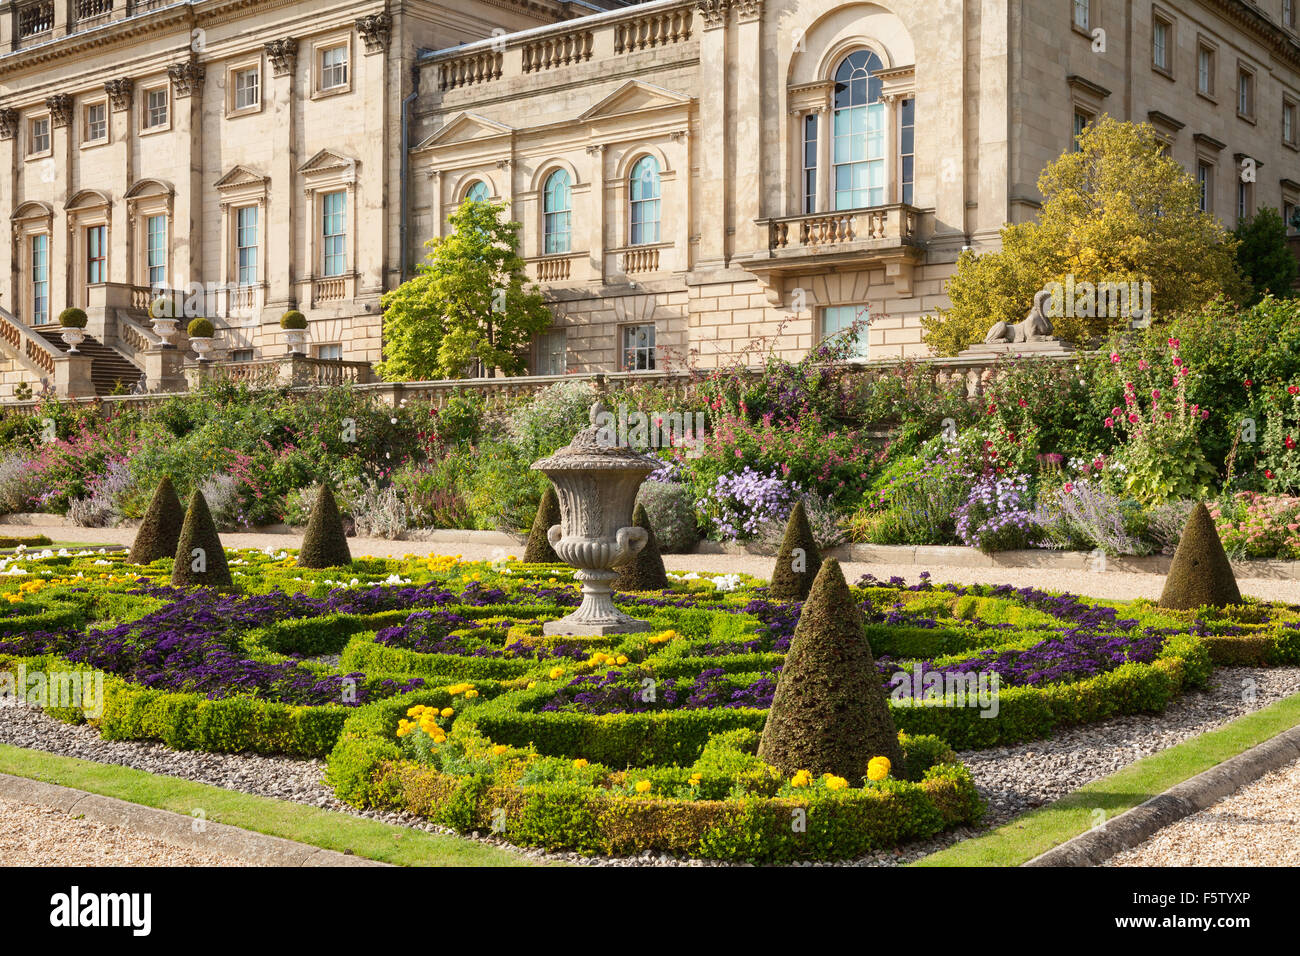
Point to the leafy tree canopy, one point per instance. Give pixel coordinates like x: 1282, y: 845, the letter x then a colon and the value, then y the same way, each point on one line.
x: 1265, y: 259
x: 1117, y: 210
x: 469, y: 307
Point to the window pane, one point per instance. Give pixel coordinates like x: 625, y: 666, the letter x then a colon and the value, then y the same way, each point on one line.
x: 838, y: 320
x: 156, y: 250
x: 40, y: 279
x: 638, y: 348
x: 334, y: 233
x: 556, y: 207
x: 246, y: 245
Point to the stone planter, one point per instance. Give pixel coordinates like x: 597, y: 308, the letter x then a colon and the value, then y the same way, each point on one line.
x: 202, y: 346
x: 597, y: 485
x: 296, y: 339
x: 165, y: 329
x: 73, y: 337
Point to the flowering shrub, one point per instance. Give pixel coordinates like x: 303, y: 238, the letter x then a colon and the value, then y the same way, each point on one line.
x: 1160, y: 431
x: 103, y: 505
x: 1281, y: 441
x: 1083, y: 514
x: 996, y: 516
x: 738, y: 504
x: 916, y: 499
x: 1255, y: 525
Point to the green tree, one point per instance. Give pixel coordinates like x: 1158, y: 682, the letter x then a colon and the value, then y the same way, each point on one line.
x: 1265, y: 259
x: 1118, y: 209
x: 469, y: 305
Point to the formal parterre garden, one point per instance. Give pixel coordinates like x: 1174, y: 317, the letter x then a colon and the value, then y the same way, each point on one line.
x: 428, y: 686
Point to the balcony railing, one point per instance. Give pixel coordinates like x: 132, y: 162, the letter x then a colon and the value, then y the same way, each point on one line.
x: 330, y: 289
x: 90, y: 12
x: 35, y: 19
x: 817, y: 232
x: 561, y: 45
x: 560, y: 267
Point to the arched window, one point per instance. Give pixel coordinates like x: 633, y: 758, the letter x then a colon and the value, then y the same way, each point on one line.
x: 643, y: 218
x: 859, y: 132
x: 478, y: 192
x: 557, y: 211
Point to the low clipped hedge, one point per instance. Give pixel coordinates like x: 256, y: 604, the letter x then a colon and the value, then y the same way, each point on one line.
x: 367, y: 768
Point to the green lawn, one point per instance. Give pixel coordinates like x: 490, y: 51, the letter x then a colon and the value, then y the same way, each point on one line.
x: 1038, y: 831
x: 293, y: 821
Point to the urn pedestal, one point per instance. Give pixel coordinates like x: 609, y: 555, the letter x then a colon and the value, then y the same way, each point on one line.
x: 597, y: 486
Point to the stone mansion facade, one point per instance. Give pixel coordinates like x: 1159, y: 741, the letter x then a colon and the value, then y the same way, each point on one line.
x: 691, y: 175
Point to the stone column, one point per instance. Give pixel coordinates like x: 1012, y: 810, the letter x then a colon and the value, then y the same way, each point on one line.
x: 281, y: 291
x: 187, y: 80
x: 372, y: 198
x: 714, y: 138
x: 121, y: 232
x: 62, y: 241
x: 747, y: 148
x: 596, y: 214
x: 10, y: 287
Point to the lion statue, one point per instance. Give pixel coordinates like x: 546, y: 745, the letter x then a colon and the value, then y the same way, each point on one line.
x: 1034, y: 327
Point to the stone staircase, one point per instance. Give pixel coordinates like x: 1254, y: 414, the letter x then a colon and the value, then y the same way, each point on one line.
x: 108, y: 368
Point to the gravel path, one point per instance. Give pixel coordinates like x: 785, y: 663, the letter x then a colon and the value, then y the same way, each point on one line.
x: 1259, y: 825
x: 1012, y: 779
x: 43, y: 836
x: 1111, y: 585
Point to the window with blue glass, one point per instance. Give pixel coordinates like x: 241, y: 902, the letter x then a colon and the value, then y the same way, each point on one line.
x: 810, y: 163
x: 478, y: 192
x: 907, y: 148
x: 333, y: 233
x: 40, y: 279
x: 246, y: 245
x: 97, y: 254
x: 557, y: 212
x: 859, y: 132
x: 644, y: 212
x: 156, y: 250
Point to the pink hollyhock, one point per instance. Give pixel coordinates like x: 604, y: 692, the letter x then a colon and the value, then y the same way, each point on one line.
x: 1114, y: 358
x: 1110, y: 423
x: 1142, y: 365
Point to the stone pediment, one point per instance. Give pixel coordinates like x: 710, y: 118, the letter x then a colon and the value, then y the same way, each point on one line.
x: 465, y: 128
x: 633, y: 97
x: 241, y: 177
x: 327, y: 161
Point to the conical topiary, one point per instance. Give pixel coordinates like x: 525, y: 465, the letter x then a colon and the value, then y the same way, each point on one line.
x: 646, y: 571
x: 539, y: 550
x: 200, y: 545
x: 160, y: 528
x: 829, y: 713
x: 325, y: 545
x: 1200, y: 573
x: 798, y: 561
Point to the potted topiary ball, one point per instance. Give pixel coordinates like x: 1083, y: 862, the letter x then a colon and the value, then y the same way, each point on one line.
x: 294, y: 325
x: 73, y: 322
x: 162, y: 311
x: 201, y: 332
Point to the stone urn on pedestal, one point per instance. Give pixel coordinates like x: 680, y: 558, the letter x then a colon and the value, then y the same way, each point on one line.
x: 73, y: 324
x: 596, y: 482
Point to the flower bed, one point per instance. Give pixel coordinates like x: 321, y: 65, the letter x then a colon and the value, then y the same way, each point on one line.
x: 610, y: 745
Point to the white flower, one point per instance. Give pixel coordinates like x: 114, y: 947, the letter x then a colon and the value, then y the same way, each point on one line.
x: 99, y: 562
x: 726, y: 582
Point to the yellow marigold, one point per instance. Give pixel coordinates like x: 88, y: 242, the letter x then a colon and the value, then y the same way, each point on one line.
x: 580, y: 762
x: 801, y: 778
x: 695, y: 780
x: 835, y: 783
x: 878, y: 768
x: 557, y: 672
x: 643, y: 786
x: 471, y: 694
x: 621, y: 660
x: 415, y: 711
x: 531, y: 684
x: 499, y: 749
x: 662, y: 638
x: 447, y: 712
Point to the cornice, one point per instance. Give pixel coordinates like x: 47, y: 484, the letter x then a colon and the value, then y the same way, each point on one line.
x: 1264, y: 29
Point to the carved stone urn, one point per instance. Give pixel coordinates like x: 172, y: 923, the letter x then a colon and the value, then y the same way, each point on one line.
x: 596, y: 482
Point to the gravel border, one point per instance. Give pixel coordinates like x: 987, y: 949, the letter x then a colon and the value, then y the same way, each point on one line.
x: 1135, y: 826
x: 174, y: 829
x: 1013, y: 779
